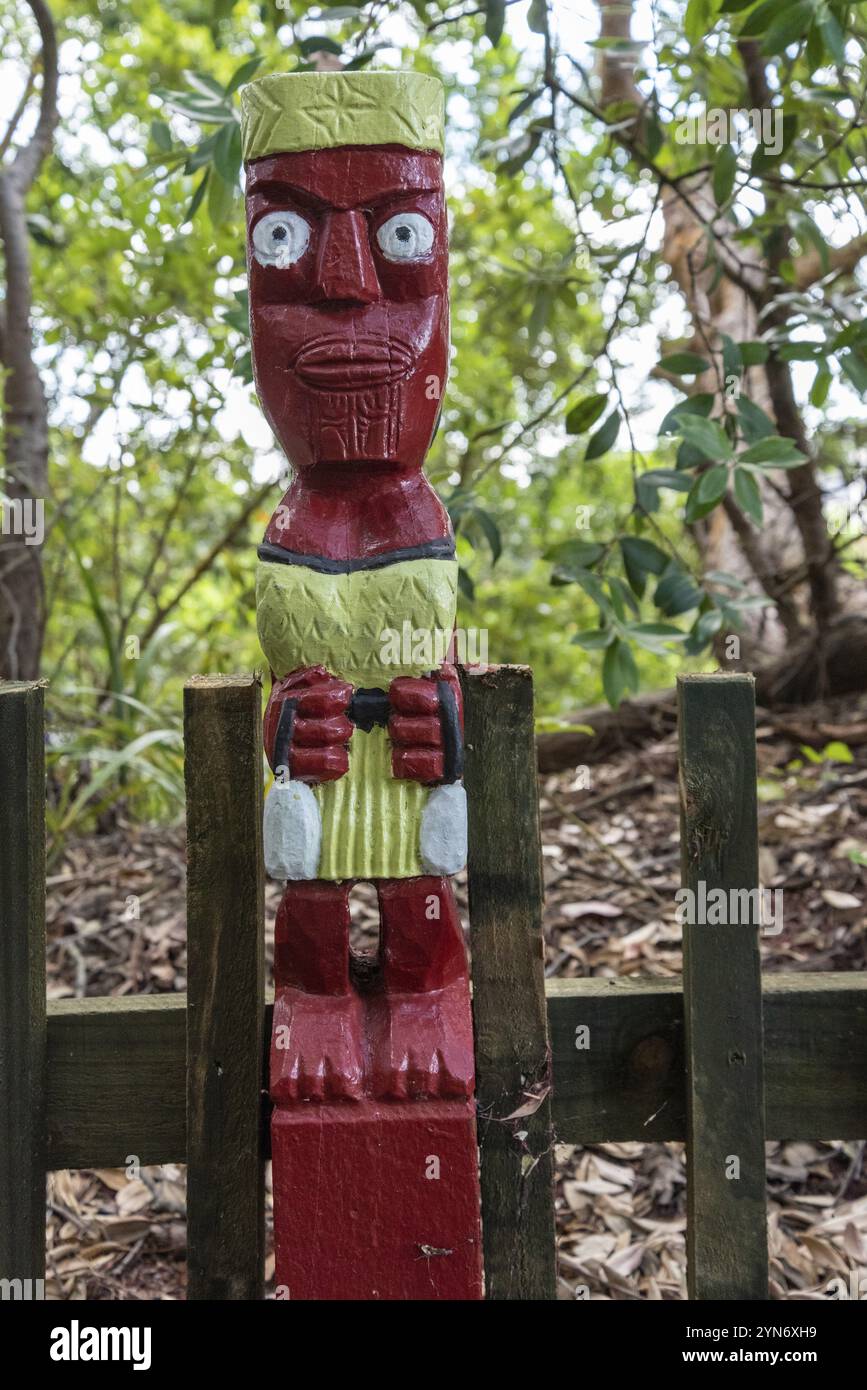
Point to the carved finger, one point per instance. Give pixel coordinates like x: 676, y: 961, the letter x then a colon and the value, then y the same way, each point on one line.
x: 417, y: 764
x: 409, y: 695
x: 319, y: 764
x: 317, y: 733
x: 423, y: 733
x: 324, y: 700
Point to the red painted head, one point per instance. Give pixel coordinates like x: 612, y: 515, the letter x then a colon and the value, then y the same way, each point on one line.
x: 348, y: 263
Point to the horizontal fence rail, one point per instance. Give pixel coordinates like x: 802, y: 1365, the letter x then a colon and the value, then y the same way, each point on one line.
x: 116, y: 1067
x: 183, y: 1078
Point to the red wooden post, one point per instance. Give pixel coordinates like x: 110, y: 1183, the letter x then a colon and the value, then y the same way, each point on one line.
x: 373, y: 1136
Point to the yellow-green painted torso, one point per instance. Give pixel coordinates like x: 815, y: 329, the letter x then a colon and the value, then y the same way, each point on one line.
x: 354, y: 625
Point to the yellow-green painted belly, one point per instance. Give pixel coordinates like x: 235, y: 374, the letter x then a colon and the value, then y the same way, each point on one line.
x: 368, y: 628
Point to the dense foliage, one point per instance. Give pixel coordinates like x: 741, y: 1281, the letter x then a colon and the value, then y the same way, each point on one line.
x: 582, y: 519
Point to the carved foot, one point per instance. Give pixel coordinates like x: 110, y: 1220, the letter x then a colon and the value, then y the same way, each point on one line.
x: 422, y: 1045
x: 316, y: 1047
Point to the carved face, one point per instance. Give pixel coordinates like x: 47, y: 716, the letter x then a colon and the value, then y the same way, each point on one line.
x: 348, y: 261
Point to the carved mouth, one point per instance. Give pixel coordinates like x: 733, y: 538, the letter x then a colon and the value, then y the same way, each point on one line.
x: 353, y: 364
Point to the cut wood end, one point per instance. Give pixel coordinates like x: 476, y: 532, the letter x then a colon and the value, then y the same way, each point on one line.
x: 21, y: 687
x: 239, y: 682
x: 708, y: 677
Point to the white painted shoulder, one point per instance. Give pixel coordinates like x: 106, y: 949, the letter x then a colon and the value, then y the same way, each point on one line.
x: 292, y: 832
x: 443, y: 840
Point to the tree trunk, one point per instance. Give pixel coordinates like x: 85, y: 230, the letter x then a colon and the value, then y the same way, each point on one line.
x: 810, y: 640
x: 25, y: 411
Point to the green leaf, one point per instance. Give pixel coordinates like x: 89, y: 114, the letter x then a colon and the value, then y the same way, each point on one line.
x: 801, y: 351
x: 594, y: 589
x: 655, y: 637
x: 755, y: 424
x: 640, y: 558
x: 774, y: 452
x: 697, y: 19
x: 820, y: 388
x: 791, y: 27
x: 733, y: 363
x: 206, y: 86
x: 762, y: 16
x: 654, y: 135
x: 161, y: 136
x: 221, y: 197
x: 708, y: 490
x: 753, y: 353
x: 465, y: 583
x: 243, y: 365
x: 227, y: 153
x: 320, y: 43
x: 242, y: 74
x: 201, y: 112
x: 699, y: 404
x: 837, y: 752
x: 619, y: 673
x: 523, y: 105
x: 488, y: 527
x: 542, y: 306
x: 747, y: 495
x: 575, y: 554
x: 647, y: 486
x: 595, y: 639
x: 707, y: 436
x: 537, y: 17
x: 807, y: 230
x: 585, y: 413
x: 602, y: 440
x: 195, y: 201
x: 833, y: 37
x: 495, y: 19
x: 622, y: 597
x: 725, y: 168
x: 675, y: 592
x: 855, y: 368
x: 703, y: 629
x: 684, y: 364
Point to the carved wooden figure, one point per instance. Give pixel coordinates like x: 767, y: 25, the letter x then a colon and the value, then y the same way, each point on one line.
x: 373, y: 1131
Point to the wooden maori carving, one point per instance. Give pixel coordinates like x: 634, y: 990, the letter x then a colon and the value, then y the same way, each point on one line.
x: 373, y: 1130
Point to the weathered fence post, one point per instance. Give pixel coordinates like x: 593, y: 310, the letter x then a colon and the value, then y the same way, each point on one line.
x: 225, y: 991
x: 513, y: 1062
x: 22, y: 984
x: 727, y: 1243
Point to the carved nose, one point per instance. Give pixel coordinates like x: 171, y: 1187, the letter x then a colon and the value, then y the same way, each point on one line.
x: 344, y: 265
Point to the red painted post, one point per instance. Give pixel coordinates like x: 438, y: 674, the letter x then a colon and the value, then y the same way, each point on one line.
x: 373, y: 1136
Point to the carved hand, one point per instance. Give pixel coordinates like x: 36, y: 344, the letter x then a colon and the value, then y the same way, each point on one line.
x: 426, y: 727
x: 306, y: 725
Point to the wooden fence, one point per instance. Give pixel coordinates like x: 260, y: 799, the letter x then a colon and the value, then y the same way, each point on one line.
x: 722, y: 1059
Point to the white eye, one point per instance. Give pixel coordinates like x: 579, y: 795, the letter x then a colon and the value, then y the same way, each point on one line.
x: 280, y: 239
x: 406, y: 237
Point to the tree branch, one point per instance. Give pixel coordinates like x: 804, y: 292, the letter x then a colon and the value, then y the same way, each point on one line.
x: 18, y: 113
x: 25, y: 165
x: 204, y: 564
x: 843, y: 259
x: 805, y: 495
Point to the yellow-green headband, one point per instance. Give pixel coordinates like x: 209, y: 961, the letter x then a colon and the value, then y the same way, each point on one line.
x: 319, y: 110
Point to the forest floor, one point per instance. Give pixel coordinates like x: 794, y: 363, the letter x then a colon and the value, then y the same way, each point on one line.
x: 116, y: 926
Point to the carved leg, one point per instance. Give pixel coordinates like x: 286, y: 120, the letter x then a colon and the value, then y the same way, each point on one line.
x: 421, y: 1027
x: 377, y: 1199
x: 316, y: 1042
